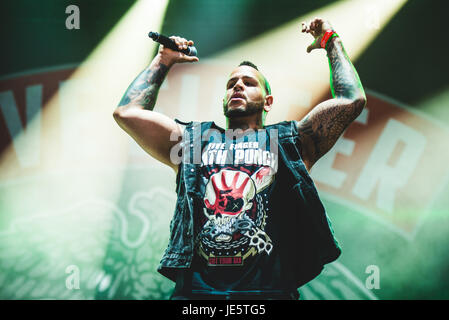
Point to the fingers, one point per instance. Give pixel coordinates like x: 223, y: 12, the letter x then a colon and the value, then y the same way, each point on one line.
x: 316, y: 24
x: 313, y: 26
x: 304, y: 28
x: 182, y: 43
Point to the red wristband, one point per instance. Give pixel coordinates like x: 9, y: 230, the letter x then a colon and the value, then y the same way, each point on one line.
x: 327, y: 35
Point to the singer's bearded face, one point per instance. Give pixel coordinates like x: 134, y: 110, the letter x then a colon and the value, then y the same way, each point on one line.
x: 245, y: 93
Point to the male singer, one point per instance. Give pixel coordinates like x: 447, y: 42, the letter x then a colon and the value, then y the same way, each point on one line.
x: 248, y: 222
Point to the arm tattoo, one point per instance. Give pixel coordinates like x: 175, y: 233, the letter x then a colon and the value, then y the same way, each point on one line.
x: 345, y: 82
x: 145, y: 88
x: 322, y: 126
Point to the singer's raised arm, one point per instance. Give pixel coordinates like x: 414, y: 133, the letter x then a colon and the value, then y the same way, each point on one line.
x: 325, y: 123
x: 134, y: 114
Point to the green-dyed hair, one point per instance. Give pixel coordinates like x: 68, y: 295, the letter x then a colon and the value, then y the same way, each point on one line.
x: 252, y: 65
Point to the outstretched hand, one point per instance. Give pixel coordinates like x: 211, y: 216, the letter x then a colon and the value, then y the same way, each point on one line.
x: 317, y: 27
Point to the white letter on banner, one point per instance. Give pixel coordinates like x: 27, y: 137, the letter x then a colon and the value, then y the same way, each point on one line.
x: 26, y: 141
x: 389, y: 178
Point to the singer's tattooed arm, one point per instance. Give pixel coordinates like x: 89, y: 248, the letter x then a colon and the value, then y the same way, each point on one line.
x: 323, y: 125
x: 155, y: 132
x: 144, y: 89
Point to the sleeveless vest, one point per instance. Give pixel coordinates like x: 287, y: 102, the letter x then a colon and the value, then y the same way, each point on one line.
x: 308, y: 241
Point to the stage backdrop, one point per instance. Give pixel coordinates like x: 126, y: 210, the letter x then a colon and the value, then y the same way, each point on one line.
x: 85, y: 213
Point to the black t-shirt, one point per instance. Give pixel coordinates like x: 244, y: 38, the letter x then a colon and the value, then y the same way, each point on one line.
x: 235, y: 229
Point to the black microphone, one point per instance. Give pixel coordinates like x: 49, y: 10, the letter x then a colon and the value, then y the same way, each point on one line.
x: 169, y: 43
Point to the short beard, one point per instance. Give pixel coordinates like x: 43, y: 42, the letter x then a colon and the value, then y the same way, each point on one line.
x: 251, y: 108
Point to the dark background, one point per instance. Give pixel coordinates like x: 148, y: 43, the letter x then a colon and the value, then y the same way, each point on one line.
x: 407, y: 61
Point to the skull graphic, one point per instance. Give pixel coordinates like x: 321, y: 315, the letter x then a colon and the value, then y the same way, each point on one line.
x: 229, y: 194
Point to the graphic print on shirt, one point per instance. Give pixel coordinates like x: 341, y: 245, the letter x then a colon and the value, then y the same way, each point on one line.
x: 235, y: 215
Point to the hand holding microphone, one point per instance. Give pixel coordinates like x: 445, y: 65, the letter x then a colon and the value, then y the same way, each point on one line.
x: 175, y: 49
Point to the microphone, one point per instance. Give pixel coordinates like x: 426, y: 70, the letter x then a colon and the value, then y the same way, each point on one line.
x: 169, y: 43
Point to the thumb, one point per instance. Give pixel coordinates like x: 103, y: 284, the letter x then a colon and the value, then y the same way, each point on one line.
x: 314, y: 45
x: 192, y: 59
